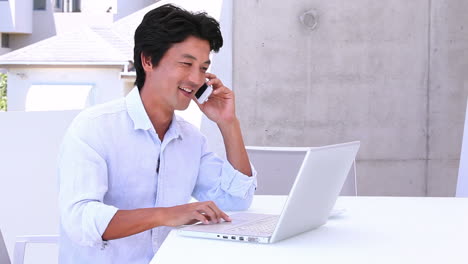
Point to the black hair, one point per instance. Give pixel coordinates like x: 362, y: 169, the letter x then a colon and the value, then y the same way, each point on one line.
x: 166, y: 25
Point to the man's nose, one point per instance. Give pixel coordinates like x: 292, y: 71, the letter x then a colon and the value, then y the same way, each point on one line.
x: 196, y: 77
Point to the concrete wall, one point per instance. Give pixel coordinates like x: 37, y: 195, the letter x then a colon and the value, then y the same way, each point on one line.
x: 28, y: 182
x: 448, y: 91
x: 392, y: 74
x: 106, y: 81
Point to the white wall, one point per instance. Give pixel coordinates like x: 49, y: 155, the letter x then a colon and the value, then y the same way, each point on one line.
x: 6, y: 17
x: 43, y: 26
x: 106, y: 81
x: 125, y: 7
x: 16, y: 16
x: 101, y: 6
x: 22, y: 16
x: 28, y: 183
x: 46, y: 23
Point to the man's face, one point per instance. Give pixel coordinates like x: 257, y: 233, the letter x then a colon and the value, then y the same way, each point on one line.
x: 179, y: 74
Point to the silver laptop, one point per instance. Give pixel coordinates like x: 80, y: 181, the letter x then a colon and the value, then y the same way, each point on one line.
x: 311, y: 199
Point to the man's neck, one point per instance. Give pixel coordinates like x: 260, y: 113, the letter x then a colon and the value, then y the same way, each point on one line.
x: 160, y: 123
x: 160, y: 117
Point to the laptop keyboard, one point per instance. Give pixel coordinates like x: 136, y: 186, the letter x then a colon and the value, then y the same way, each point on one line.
x: 263, y: 226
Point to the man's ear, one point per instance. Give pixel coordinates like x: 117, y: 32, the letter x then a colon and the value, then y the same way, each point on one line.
x: 146, y: 62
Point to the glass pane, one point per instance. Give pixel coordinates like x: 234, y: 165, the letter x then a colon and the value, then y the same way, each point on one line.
x: 39, y: 5
x: 76, y: 6
x: 5, y: 40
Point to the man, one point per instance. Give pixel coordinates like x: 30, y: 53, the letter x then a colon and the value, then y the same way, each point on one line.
x: 128, y: 168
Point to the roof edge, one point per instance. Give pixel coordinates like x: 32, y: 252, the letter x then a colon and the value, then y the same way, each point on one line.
x: 63, y: 63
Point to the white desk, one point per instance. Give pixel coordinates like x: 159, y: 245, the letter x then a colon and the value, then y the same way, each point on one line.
x: 372, y: 230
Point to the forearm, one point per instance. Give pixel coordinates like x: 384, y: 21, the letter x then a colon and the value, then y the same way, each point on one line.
x: 235, y: 148
x: 129, y: 222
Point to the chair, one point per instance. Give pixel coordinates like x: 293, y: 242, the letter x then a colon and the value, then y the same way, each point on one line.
x: 4, y: 258
x: 277, y: 168
x: 462, y: 182
x: 20, y: 246
x: 28, y: 181
x: 21, y: 241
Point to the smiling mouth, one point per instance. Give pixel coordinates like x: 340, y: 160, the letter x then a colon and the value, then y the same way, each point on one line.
x: 186, y: 90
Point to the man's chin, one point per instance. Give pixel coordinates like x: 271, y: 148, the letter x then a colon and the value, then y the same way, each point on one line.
x: 183, y: 107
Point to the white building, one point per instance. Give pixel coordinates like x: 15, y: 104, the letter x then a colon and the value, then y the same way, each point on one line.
x: 68, y: 71
x: 62, y: 55
x: 84, y: 57
x: 24, y: 22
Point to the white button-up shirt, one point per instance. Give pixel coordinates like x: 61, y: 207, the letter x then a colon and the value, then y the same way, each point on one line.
x: 111, y: 158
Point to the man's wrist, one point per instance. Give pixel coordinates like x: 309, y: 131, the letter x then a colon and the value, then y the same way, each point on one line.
x: 159, y: 216
x: 229, y: 124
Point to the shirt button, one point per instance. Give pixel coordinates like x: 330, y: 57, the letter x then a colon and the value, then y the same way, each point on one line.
x: 104, y: 245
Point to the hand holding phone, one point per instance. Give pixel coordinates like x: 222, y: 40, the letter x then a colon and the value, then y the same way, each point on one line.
x: 203, y: 93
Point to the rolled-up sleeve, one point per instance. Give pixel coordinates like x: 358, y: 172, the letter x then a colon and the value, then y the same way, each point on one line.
x: 236, y: 183
x: 83, y: 182
x: 220, y: 182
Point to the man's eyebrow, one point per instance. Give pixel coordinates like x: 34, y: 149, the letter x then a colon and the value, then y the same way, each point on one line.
x: 188, y: 56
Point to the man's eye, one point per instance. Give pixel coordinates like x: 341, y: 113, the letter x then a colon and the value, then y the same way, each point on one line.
x: 186, y: 63
x: 204, y: 69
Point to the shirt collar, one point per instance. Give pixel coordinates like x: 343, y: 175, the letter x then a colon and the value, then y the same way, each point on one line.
x: 137, y: 113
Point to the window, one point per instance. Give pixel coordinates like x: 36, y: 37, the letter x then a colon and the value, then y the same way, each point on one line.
x: 5, y: 40
x: 76, y: 6
x: 67, y: 5
x: 39, y: 5
x: 57, y: 97
x: 58, y: 6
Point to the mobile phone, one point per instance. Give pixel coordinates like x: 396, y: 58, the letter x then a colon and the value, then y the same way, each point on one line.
x: 203, y: 93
